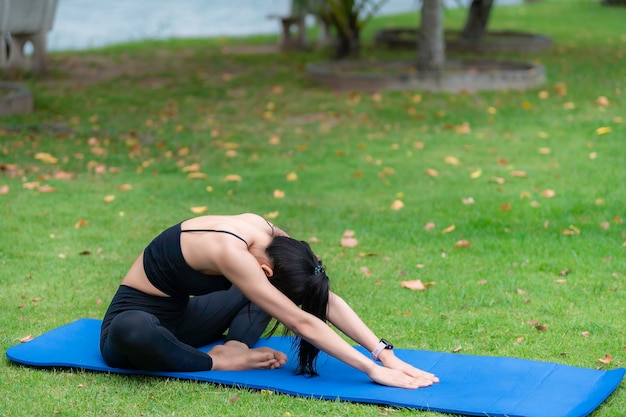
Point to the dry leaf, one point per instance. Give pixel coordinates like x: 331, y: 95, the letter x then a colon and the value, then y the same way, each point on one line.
x: 452, y: 160
x: 603, y: 101
x: 457, y: 349
x: 198, y: 209
x: 585, y: 334
x: 197, y: 176
x: 521, y: 291
x: 4, y: 189
x: 560, y: 281
x: 46, y: 189
x: 548, y: 193
x: 80, y: 223
x: 541, y: 327
x: 274, y: 140
x: 606, y: 360
x: 603, y: 130
x: 463, y: 128
x: 366, y: 271
x: 481, y: 282
x: 292, y: 176
x: 416, y: 285
x: 279, y: 194
x: 232, y: 178
x: 109, y: 198
x: 468, y: 201
x: 192, y: 168
x: 505, y: 207
x: 476, y: 174
x: 432, y: 172
x: 46, y: 158
x: 348, y: 240
x: 272, y: 215
x: 518, y: 174
x: 463, y: 244
x: 26, y: 338
x: 564, y: 272
x: 449, y: 229
x: 125, y: 187
x: 397, y: 205
x: 519, y: 340
x: 429, y: 226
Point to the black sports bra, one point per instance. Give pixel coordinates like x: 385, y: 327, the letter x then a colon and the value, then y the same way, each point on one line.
x: 167, y: 269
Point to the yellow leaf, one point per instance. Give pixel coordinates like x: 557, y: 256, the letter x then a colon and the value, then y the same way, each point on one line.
x: 199, y: 209
x: 452, y: 160
x: 603, y: 101
x: 292, y: 176
x: 109, y: 198
x: 432, y: 172
x: 192, y: 168
x: 272, y: 215
x: 449, y: 229
x: 544, y: 151
x: 518, y: 174
x: 279, y: 194
x: 46, y: 158
x: 476, y: 174
x: 548, y: 193
x: 603, y: 130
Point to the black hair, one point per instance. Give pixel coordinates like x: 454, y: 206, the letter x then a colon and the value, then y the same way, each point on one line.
x: 299, y: 274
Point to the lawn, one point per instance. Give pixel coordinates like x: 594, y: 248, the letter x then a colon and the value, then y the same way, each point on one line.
x: 511, y: 203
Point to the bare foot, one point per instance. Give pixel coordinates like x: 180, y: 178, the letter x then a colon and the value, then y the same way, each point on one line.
x: 229, y: 358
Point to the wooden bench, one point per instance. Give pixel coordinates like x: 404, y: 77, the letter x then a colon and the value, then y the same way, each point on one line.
x: 23, y: 22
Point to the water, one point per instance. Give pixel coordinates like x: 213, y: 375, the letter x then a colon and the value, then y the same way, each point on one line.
x: 81, y: 24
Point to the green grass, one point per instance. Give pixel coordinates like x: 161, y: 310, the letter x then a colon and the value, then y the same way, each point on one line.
x: 138, y: 114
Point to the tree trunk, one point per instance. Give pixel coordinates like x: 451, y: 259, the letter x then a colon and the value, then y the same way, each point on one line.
x: 348, y: 39
x: 431, y: 51
x: 477, y: 18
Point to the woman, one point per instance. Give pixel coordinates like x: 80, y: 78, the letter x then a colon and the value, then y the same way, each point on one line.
x: 212, y: 274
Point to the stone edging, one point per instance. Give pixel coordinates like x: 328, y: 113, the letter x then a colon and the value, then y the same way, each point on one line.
x: 15, y: 99
x: 459, y: 76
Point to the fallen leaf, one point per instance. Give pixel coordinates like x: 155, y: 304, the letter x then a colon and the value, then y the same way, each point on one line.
x: 26, y: 338
x: 198, y: 209
x: 548, y: 193
x: 541, y: 327
x: 109, y: 198
x: 564, y: 272
x: 274, y: 140
x: 192, y: 168
x: 518, y: 174
x: 46, y: 158
x: 463, y: 244
x: 292, y: 176
x: 606, y: 360
x: 198, y: 176
x: 481, y: 282
x: 279, y: 194
x: 560, y: 281
x: 432, y: 172
x: 452, y: 160
x: 125, y: 187
x: 468, y: 201
x: 4, y: 189
x: 232, y: 178
x: 457, y: 349
x: 476, y: 174
x: 519, y: 340
x: 80, y: 223
x: 46, y: 189
x: 585, y: 334
x: 603, y: 130
x: 544, y: 151
x: 449, y: 229
x: 272, y: 215
x: 521, y: 291
x: 603, y: 101
x: 348, y: 240
x: 505, y: 207
x: 365, y: 270
x: 416, y: 285
x: 429, y: 226
x: 233, y: 399
x: 397, y: 205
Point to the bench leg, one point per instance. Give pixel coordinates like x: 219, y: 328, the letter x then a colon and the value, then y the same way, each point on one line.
x: 16, y: 59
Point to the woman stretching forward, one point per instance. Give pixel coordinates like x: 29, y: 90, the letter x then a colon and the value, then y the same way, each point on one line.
x: 212, y: 274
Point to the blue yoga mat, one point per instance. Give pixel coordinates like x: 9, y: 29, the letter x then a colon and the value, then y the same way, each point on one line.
x: 470, y: 385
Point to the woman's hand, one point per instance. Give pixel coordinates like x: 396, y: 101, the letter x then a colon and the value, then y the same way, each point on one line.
x: 391, y: 361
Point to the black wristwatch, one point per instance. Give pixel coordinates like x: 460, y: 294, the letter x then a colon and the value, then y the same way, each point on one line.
x: 382, y: 345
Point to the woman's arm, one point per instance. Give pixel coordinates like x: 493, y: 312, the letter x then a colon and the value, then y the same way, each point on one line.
x: 341, y: 315
x: 244, y: 271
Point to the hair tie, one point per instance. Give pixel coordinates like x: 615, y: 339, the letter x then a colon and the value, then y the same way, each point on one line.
x: 318, y: 269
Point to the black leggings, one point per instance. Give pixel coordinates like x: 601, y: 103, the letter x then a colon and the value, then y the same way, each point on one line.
x: 141, y: 331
